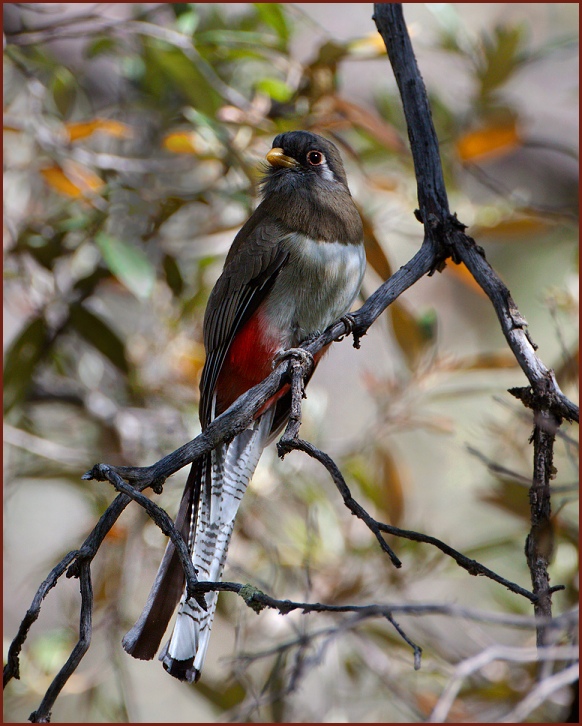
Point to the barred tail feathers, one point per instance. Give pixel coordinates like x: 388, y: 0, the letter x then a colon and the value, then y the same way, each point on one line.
x: 233, y: 465
x: 143, y: 640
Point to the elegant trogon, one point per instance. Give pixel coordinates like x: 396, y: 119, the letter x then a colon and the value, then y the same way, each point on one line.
x: 294, y: 268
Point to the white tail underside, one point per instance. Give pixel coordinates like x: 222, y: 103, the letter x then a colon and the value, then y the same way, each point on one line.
x: 233, y: 465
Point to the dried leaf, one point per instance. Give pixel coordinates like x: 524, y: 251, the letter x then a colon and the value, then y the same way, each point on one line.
x: 509, y: 496
x: 181, y: 142
x: 512, y: 227
x: 411, y: 335
x: 569, y: 370
x: 72, y: 180
x: 375, y: 255
x: 392, y: 487
x: 462, y: 274
x: 187, y: 360
x: 382, y: 482
x: 488, y: 142
x: 117, y: 534
x: 485, y: 361
x: 83, y: 129
x: 369, y: 121
x: 384, y: 183
x: 370, y: 46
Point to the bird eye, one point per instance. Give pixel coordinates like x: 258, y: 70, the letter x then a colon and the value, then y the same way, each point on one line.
x: 315, y: 158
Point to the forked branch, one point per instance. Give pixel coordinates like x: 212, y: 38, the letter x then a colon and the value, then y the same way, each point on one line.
x: 444, y: 239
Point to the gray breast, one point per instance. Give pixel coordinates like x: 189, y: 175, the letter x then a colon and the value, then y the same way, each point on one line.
x: 315, y: 288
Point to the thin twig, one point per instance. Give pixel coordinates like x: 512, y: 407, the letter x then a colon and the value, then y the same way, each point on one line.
x: 339, y: 481
x: 493, y: 653
x: 543, y: 690
x: 12, y: 668
x: 43, y: 713
x: 258, y: 600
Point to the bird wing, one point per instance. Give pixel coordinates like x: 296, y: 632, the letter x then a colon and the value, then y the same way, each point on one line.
x: 249, y: 274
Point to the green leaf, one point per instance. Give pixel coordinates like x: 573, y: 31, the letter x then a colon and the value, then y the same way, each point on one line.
x: 275, y: 88
x: 46, y: 249
x: 501, y: 58
x: 222, y: 697
x: 227, y: 38
x: 330, y: 53
x: 181, y: 8
x: 101, y: 46
x: 187, y: 22
x: 129, y: 264
x: 64, y: 90
x: 169, y: 70
x: 21, y: 360
x: 272, y: 15
x: 173, y: 275
x: 96, y: 332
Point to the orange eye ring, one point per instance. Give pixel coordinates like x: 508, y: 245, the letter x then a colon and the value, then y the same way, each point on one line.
x: 315, y: 158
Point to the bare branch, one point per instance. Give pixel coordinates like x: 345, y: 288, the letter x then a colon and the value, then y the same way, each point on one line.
x: 12, y: 669
x: 43, y: 713
x: 443, y: 228
x: 544, y: 689
x: 495, y: 652
x: 539, y: 544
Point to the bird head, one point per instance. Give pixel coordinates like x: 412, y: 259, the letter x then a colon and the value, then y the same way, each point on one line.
x: 302, y: 154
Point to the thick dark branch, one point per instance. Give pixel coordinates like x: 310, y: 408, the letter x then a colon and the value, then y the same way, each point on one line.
x: 160, y: 517
x: 539, y: 544
x: 544, y: 396
x: 442, y: 228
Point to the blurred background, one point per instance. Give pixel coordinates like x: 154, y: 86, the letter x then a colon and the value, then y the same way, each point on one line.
x: 133, y: 141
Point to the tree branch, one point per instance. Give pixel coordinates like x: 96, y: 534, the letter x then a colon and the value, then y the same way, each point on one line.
x: 444, y: 238
x: 43, y: 713
x: 539, y: 544
x: 443, y: 229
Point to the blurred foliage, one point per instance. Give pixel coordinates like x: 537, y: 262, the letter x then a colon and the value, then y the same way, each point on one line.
x: 132, y: 154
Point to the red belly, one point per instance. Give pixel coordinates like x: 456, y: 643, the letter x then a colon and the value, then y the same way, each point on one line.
x: 248, y: 362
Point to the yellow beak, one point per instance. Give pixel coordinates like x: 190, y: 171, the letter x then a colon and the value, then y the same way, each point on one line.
x: 276, y: 157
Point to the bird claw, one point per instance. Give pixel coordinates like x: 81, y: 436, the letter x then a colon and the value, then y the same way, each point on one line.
x: 303, y: 356
x: 350, y: 322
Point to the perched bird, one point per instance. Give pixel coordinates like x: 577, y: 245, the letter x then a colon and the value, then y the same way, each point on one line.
x: 294, y: 268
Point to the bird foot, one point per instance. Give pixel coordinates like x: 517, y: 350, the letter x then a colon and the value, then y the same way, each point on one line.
x: 304, y: 356
x: 350, y: 322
